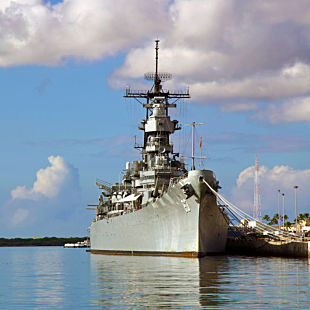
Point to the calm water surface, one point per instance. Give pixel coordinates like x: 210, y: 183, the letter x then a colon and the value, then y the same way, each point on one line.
x: 58, y: 278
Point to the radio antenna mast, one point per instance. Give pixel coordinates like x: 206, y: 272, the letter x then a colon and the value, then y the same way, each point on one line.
x: 257, y: 208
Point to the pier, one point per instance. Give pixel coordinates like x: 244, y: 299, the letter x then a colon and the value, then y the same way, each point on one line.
x: 248, y: 236
x: 265, y: 247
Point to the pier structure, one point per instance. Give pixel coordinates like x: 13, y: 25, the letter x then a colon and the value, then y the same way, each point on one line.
x: 250, y: 236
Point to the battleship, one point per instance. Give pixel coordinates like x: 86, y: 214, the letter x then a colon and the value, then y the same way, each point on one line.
x: 159, y: 207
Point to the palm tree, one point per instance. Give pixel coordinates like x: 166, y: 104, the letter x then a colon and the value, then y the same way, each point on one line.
x: 303, y: 216
x: 287, y: 224
x: 266, y: 218
x: 274, y: 220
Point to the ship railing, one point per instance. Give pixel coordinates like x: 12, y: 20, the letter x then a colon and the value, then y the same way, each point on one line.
x: 115, y: 213
x: 121, y: 208
x: 121, y: 187
x: 144, y: 93
x: 174, y: 181
x: 135, y: 93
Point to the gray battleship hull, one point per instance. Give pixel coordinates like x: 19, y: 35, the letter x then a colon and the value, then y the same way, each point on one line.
x: 173, y: 224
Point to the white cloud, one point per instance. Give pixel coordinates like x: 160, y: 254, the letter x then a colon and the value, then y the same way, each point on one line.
x: 52, y: 206
x: 291, y: 111
x: 232, y: 53
x: 278, y: 177
x: 33, y: 32
x: 290, y: 81
x: 50, y: 181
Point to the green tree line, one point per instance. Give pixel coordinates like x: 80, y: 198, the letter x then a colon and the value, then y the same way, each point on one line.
x: 47, y: 241
x: 275, y: 219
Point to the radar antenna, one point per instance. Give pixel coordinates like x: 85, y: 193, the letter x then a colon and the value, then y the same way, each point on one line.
x: 156, y: 89
x: 157, y: 77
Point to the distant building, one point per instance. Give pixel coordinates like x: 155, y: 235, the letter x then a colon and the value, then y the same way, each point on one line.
x: 304, y: 226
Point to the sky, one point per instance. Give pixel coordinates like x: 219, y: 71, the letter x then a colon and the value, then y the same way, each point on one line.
x: 64, y: 66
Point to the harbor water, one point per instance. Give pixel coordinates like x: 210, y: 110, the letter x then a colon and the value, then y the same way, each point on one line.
x: 58, y: 278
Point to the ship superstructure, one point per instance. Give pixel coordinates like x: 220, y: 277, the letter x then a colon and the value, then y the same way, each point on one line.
x: 159, y: 208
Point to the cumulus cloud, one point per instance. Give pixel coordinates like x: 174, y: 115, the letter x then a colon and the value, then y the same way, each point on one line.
x: 35, y: 32
x: 51, y: 206
x: 232, y: 53
x: 278, y: 177
x: 50, y: 181
x: 289, y: 81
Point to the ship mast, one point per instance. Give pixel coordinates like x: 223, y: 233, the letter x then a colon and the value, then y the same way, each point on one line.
x: 194, y: 124
x: 157, y: 102
x: 156, y: 79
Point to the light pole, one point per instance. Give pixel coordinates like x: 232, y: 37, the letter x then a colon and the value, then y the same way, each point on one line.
x: 296, y: 206
x: 279, y: 213
x: 283, y: 206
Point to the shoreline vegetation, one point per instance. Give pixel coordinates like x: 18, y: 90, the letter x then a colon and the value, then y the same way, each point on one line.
x: 46, y: 241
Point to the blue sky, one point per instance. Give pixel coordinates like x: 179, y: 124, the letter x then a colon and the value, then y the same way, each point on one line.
x: 63, y: 70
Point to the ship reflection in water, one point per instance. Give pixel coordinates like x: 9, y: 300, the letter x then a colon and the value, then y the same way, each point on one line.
x: 154, y: 282
x: 212, y: 282
x: 59, y: 278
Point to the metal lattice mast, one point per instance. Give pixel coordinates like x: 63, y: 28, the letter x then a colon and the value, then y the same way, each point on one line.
x: 257, y: 209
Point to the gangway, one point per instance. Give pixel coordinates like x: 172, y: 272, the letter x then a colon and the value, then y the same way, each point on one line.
x: 236, y: 215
